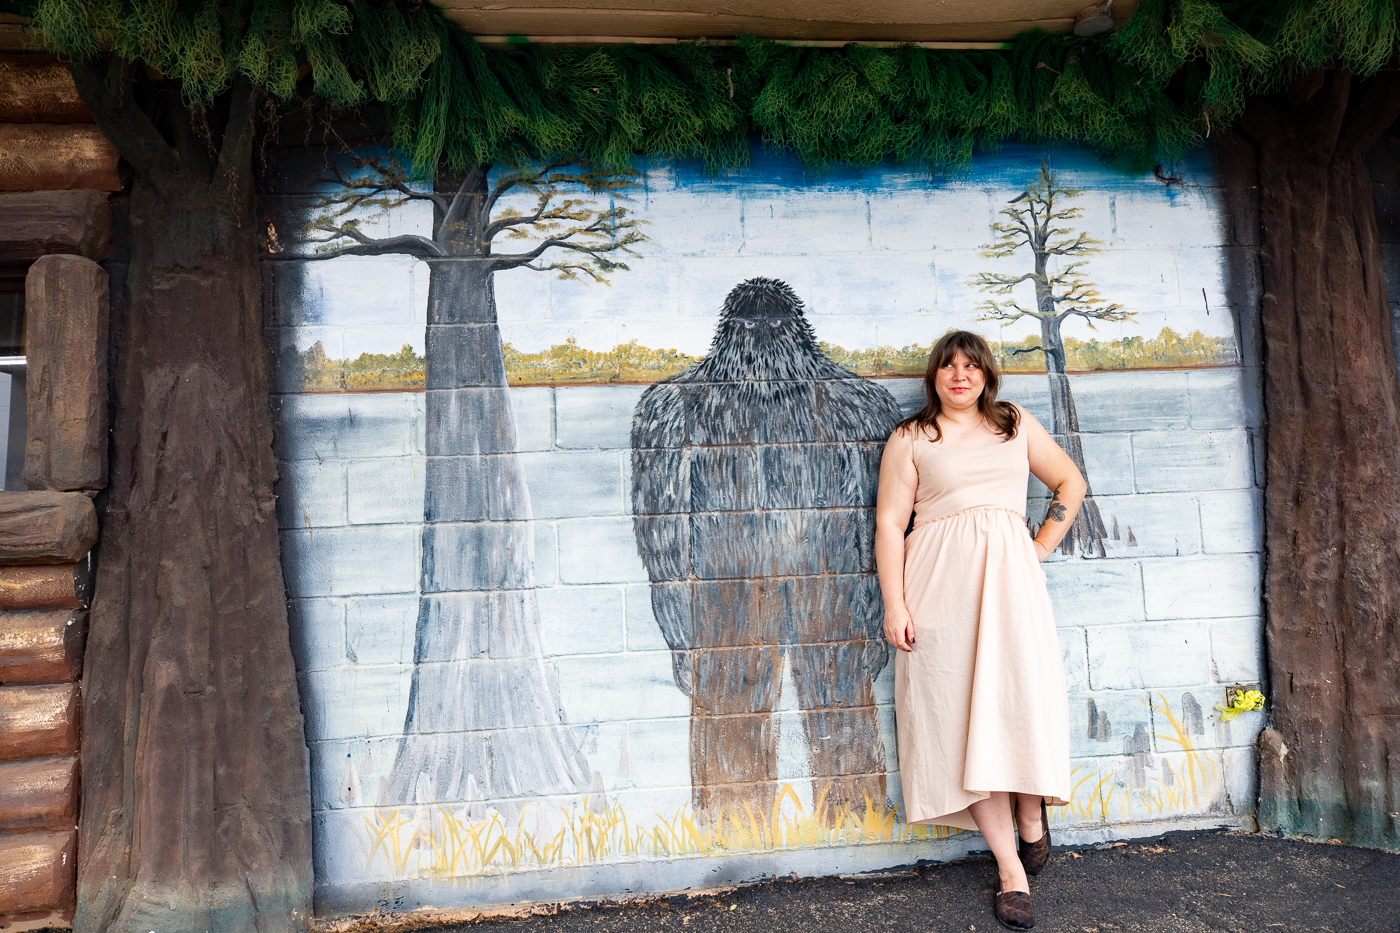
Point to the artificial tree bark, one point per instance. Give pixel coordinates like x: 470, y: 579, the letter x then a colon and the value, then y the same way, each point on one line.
x: 196, y: 809
x: 1330, y: 761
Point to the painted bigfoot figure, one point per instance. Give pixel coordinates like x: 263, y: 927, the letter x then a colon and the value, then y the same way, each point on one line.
x: 753, y: 480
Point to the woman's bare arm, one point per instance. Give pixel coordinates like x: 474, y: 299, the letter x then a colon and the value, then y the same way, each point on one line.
x: 1053, y: 467
x: 899, y: 481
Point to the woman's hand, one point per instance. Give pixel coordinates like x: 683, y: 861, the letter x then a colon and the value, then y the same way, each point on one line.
x: 899, y: 628
x: 1041, y: 551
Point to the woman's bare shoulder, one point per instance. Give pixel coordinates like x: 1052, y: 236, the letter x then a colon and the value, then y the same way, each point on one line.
x: 904, y: 434
x: 1031, y: 427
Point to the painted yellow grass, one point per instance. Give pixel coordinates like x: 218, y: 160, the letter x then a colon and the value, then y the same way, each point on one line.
x: 437, y: 842
x: 440, y: 842
x: 1102, y: 797
x: 633, y: 364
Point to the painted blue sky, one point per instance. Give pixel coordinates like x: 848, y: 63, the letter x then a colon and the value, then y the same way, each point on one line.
x: 881, y: 256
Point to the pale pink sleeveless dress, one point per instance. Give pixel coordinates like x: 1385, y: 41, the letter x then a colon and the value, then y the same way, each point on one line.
x: 980, y: 702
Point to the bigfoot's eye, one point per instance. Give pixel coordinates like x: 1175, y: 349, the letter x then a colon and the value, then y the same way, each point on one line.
x: 775, y: 323
x: 748, y: 325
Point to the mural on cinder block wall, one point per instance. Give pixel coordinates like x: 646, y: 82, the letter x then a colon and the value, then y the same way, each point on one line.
x: 478, y: 658
x: 580, y: 563
x: 1031, y: 222
x: 753, y: 489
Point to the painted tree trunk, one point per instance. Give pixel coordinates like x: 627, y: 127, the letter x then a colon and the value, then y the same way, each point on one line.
x: 1087, y: 534
x: 1330, y: 763
x: 484, y: 718
x: 196, y: 810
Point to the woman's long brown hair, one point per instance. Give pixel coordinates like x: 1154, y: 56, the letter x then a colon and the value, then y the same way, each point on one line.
x: 1003, y: 417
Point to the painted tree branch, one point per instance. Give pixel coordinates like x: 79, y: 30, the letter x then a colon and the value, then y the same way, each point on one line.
x: 408, y: 244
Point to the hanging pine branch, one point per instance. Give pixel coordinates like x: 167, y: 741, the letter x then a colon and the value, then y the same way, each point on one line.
x: 1177, y: 71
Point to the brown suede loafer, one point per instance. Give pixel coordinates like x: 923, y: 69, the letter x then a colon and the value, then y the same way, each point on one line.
x: 1034, y: 855
x: 1013, y: 910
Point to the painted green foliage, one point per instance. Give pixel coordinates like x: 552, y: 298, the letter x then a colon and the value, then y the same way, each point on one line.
x: 1151, y: 89
x: 633, y: 364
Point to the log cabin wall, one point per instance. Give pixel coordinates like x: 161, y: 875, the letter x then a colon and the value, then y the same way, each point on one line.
x: 56, y: 174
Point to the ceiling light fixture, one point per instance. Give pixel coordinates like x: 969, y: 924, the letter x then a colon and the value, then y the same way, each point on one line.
x: 1094, y: 19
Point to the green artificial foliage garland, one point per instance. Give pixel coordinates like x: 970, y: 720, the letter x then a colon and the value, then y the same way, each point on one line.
x: 1151, y: 89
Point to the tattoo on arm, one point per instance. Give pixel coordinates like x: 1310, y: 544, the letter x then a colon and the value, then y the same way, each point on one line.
x: 1056, y: 512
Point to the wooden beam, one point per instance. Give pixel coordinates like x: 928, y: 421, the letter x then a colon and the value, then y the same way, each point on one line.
x: 39, y: 721
x: 39, y: 793
x: 35, y: 223
x: 50, y: 157
x: 41, y: 647
x: 55, y: 586
x: 65, y: 299
x: 644, y: 24
x: 41, y: 527
x: 514, y: 40
x: 37, y: 872
x: 38, y: 89
x: 798, y: 21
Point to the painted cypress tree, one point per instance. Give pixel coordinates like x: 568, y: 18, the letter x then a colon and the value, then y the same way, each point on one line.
x: 1032, y: 222
x: 479, y: 658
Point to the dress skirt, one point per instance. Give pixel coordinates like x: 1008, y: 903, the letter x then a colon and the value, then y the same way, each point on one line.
x: 980, y: 702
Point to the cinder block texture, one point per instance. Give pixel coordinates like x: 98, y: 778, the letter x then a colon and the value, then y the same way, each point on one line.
x: 41, y: 647
x: 1135, y: 657
x: 1181, y: 461
x: 53, y: 157
x: 39, y: 721
x: 38, y: 871
x: 46, y: 527
x: 1203, y: 587
x: 37, y: 223
x: 39, y: 793
x: 66, y: 328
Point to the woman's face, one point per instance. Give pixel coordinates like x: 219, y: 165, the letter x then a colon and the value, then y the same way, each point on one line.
x: 959, y: 383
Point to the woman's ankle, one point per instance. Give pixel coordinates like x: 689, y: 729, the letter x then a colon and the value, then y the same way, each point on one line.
x: 1028, y: 823
x: 1013, y: 878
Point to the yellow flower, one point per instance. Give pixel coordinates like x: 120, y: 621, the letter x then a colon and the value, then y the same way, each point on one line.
x: 1244, y: 702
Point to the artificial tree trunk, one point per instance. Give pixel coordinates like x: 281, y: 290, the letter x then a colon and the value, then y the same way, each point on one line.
x: 1330, y: 761
x: 196, y: 810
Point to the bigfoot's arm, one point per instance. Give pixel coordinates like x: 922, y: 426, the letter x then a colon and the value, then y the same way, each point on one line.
x: 1053, y: 467
x: 661, y: 516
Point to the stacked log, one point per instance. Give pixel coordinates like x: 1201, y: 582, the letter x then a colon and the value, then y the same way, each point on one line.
x: 54, y: 220
x: 42, y: 624
x: 47, y: 139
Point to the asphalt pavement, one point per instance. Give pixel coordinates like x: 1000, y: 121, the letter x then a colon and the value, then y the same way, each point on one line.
x: 1233, y: 882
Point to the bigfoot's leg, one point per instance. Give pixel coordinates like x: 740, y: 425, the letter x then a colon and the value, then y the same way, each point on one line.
x: 833, y: 672
x: 736, y: 674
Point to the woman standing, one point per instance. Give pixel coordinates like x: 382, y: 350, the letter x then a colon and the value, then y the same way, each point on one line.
x: 981, y: 714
